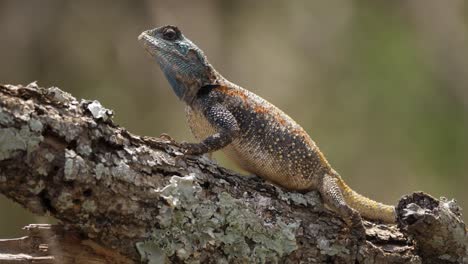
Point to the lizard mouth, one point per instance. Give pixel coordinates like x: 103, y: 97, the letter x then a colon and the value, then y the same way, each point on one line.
x: 148, y: 42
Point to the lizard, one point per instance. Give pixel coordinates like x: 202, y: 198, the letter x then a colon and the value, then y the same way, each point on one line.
x: 254, y: 133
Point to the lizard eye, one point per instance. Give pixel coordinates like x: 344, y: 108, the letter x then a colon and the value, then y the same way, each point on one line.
x: 169, y: 34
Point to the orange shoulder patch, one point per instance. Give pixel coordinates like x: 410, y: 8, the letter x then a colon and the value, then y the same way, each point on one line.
x: 233, y: 92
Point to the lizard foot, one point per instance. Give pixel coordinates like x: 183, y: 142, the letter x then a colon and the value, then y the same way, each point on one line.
x: 192, y: 148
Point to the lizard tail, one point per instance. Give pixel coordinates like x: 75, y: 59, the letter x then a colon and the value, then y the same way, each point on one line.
x: 368, y: 208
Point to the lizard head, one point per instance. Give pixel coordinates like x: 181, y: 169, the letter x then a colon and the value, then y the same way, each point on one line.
x: 183, y: 63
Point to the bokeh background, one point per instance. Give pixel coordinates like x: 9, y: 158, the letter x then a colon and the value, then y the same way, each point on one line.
x: 381, y: 86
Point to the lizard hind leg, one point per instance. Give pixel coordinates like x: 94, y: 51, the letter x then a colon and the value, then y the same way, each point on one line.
x: 333, y: 198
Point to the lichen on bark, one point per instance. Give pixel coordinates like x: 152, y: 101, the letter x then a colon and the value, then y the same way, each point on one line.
x: 189, y: 223
x: 141, y: 198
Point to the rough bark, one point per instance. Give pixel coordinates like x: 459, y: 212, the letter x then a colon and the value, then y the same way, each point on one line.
x: 136, y: 198
x: 436, y: 226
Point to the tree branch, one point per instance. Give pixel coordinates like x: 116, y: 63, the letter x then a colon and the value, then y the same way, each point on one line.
x: 137, y: 198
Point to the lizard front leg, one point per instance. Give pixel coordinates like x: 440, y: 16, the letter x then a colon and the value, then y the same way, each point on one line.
x: 224, y: 123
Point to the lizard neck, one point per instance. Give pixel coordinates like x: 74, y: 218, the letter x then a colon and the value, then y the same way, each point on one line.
x: 186, y: 85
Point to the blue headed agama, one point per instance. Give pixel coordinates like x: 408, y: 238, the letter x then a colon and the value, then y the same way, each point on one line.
x: 255, y: 134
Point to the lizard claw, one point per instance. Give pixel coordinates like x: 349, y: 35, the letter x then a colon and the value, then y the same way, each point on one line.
x: 193, y: 148
x: 357, y: 227
x: 167, y: 137
x: 188, y: 148
x: 184, y: 146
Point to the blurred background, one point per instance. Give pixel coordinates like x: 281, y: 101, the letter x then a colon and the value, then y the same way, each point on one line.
x: 381, y: 86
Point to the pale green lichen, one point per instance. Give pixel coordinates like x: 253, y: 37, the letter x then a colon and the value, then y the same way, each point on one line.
x: 69, y: 168
x: 311, y: 198
x: 190, y: 224
x: 100, y: 170
x: 123, y: 171
x: 180, y: 190
x: 59, y: 95
x: 84, y: 149
x: 64, y: 201
x: 43, y: 167
x: 98, y: 111
x: 49, y: 157
x: 41, y: 170
x: 5, y: 118
x: 150, y: 253
x: 89, y: 206
x: 328, y: 248
x: 37, y: 187
x: 13, y: 140
x: 35, y: 125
